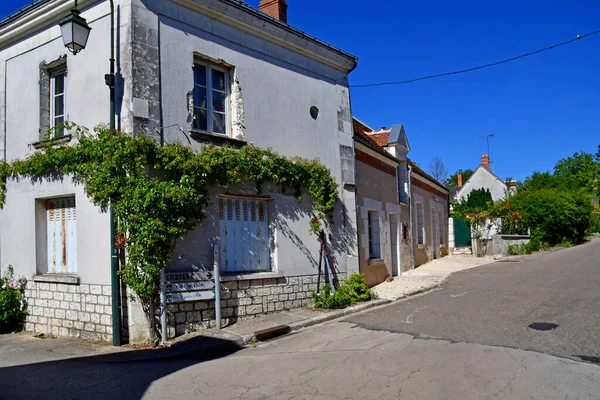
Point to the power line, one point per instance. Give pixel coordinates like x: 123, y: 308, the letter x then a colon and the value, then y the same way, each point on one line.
x: 462, y: 71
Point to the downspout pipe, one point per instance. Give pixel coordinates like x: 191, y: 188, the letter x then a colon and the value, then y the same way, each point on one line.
x: 114, y: 260
x: 410, y: 211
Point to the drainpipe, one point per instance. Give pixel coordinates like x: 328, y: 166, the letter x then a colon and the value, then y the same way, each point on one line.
x: 114, y: 260
x: 410, y: 210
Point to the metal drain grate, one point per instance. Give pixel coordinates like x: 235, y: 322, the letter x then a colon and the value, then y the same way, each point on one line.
x: 592, y: 359
x: 543, y: 326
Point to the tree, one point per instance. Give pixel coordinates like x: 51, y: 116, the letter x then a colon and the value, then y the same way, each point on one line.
x: 438, y: 170
x: 598, y: 154
x: 453, y: 180
x: 537, y: 181
x: 578, y: 172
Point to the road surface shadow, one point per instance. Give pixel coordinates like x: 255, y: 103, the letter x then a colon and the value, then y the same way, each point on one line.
x: 123, y: 375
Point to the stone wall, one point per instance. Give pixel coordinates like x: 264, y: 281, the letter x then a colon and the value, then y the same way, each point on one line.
x: 69, y: 310
x: 500, y: 243
x: 242, y: 299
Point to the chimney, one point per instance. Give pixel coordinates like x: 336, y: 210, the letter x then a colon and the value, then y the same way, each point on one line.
x: 485, y: 161
x: 459, y: 177
x: 275, y: 8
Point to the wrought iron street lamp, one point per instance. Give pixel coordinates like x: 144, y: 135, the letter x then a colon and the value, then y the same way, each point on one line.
x: 75, y: 31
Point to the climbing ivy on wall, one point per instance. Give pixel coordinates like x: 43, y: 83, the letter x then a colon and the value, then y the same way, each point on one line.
x: 160, y: 193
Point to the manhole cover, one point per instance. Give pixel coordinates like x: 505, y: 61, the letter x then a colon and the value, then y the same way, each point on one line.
x: 543, y: 326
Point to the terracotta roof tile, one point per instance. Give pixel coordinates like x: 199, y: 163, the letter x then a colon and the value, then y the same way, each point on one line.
x: 380, y: 138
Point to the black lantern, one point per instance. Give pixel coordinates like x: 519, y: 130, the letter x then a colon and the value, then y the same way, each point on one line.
x: 75, y: 31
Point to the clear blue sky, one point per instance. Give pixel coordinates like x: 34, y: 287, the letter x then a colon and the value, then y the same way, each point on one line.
x: 541, y: 108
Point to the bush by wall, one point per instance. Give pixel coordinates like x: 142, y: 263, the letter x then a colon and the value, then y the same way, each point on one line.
x: 12, y: 307
x: 351, y: 291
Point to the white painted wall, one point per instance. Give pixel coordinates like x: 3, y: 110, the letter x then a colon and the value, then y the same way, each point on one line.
x: 278, y: 88
x: 87, y: 104
x: 483, y: 178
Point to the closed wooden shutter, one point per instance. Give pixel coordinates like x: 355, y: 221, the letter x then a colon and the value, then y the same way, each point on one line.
x: 244, y: 231
x: 62, y: 246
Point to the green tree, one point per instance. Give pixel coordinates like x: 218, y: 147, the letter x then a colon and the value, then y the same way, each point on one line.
x: 453, y: 180
x: 537, y: 181
x: 578, y: 172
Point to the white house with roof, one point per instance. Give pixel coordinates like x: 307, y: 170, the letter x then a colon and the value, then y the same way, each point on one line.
x: 196, y: 71
x: 482, y: 178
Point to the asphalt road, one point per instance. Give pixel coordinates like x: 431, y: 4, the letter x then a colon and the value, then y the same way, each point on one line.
x: 469, y: 340
x: 495, y: 305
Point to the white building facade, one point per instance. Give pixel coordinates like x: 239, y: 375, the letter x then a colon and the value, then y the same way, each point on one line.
x: 195, y: 71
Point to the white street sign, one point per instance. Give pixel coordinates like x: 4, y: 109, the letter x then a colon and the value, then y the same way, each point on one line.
x: 189, y: 286
x: 189, y: 276
x: 190, y: 296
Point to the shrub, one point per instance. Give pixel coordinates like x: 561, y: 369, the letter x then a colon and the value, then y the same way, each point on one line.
x: 554, y: 215
x: 351, y: 291
x: 12, y: 308
x: 595, y: 221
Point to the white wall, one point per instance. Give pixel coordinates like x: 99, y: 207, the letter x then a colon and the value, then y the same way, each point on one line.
x: 483, y: 178
x: 87, y: 104
x: 278, y: 89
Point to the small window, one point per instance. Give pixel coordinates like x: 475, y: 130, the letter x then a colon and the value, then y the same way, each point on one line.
x: 57, y: 102
x: 420, y: 224
x: 62, y: 235
x: 244, y: 234
x: 442, y: 226
x: 374, y: 236
x: 211, y: 99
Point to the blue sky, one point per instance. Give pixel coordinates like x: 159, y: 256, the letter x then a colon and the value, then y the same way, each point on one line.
x: 541, y: 108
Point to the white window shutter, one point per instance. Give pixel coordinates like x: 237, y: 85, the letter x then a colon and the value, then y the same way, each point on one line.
x: 62, y: 236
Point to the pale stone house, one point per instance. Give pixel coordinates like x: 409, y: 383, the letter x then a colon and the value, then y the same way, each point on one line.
x: 393, y: 195
x: 266, y: 83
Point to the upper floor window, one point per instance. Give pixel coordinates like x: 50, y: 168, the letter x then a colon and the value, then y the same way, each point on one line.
x: 57, y: 102
x: 211, y: 96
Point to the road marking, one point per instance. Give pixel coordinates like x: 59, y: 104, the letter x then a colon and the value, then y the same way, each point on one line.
x: 459, y: 295
x: 408, y: 320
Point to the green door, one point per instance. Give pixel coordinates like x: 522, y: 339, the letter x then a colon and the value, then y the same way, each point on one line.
x: 462, y: 233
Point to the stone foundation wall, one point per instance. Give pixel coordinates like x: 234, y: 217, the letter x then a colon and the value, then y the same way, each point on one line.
x: 69, y: 310
x: 500, y: 243
x: 242, y: 299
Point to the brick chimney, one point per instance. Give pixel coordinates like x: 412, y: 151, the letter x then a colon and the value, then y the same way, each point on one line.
x: 460, y: 182
x: 275, y: 8
x: 485, y: 161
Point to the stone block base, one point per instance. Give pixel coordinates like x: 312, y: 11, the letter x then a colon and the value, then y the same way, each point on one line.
x: 75, y: 310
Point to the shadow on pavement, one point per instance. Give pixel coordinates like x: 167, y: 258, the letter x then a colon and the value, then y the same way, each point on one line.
x: 123, y: 375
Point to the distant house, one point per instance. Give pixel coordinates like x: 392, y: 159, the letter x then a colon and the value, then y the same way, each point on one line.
x: 386, y: 182
x: 482, y: 178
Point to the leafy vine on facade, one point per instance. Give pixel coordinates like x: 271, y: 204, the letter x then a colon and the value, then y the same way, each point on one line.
x: 160, y: 193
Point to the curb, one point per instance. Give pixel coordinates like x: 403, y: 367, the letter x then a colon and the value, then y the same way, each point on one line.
x: 296, y: 326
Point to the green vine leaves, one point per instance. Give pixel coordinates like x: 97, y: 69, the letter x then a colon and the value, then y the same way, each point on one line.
x: 160, y: 193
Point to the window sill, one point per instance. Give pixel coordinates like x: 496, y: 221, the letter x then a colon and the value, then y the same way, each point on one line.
x: 376, y: 261
x: 420, y: 246
x: 57, y: 278
x: 251, y: 276
x: 214, y: 138
x: 52, y: 142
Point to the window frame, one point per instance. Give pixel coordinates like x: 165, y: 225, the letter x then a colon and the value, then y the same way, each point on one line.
x: 421, y: 234
x: 373, y: 216
x: 209, y: 98
x: 53, y: 95
x: 70, y: 253
x: 245, y: 211
x: 442, y: 228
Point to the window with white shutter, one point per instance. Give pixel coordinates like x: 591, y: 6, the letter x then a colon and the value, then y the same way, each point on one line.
x: 61, y: 224
x: 244, y: 229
